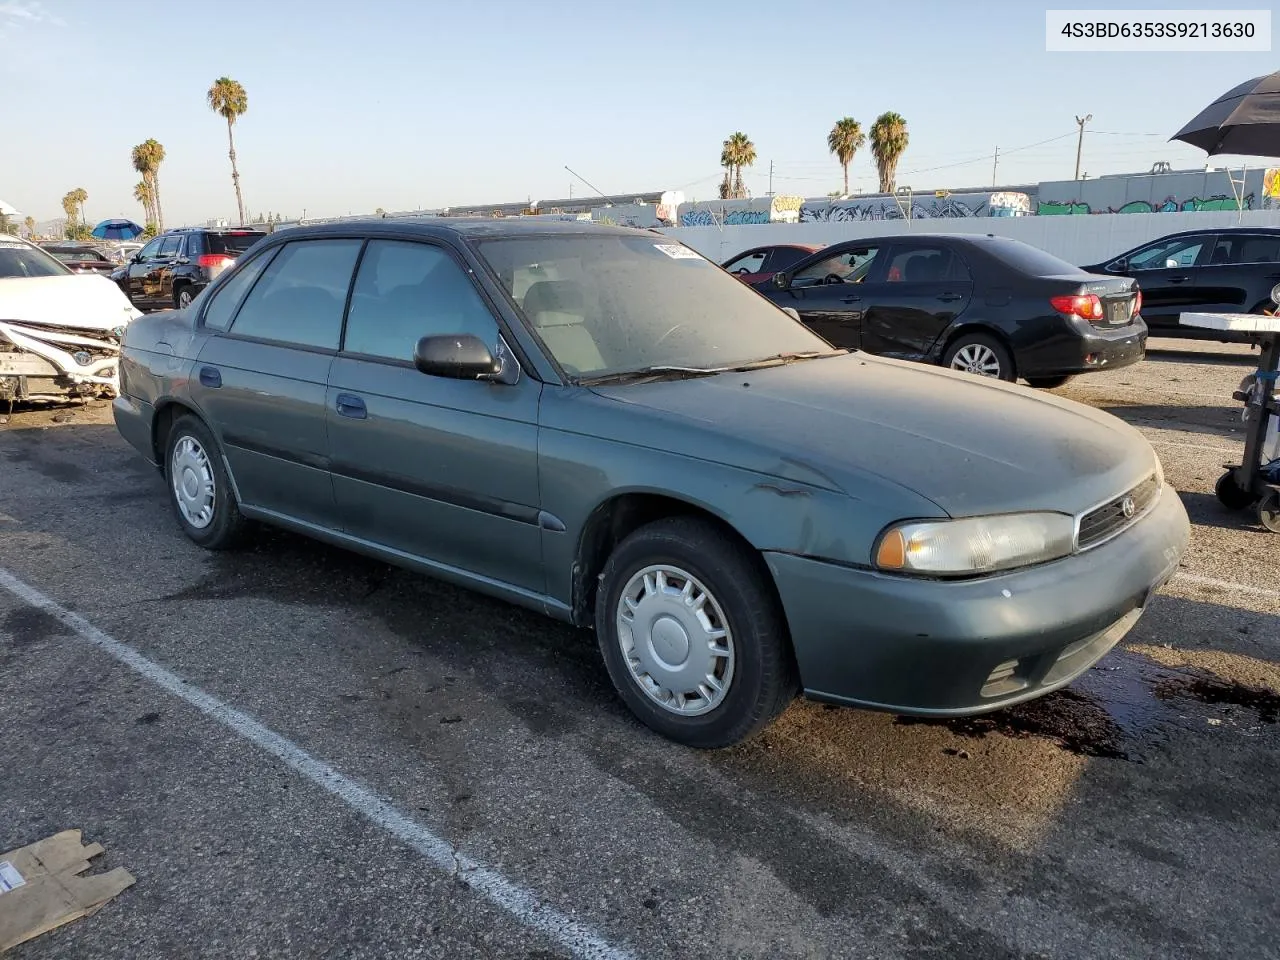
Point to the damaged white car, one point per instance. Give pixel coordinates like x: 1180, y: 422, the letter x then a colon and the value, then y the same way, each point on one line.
x: 60, y: 331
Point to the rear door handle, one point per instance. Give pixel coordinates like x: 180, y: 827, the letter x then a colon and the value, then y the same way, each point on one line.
x: 349, y: 405
x: 949, y: 297
x: 210, y: 377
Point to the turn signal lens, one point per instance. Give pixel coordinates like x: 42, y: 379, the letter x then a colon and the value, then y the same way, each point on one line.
x: 976, y: 545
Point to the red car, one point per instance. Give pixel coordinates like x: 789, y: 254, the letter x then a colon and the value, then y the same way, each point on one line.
x: 82, y: 257
x: 760, y: 263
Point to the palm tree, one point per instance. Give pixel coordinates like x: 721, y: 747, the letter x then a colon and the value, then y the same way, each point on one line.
x: 227, y: 98
x: 845, y: 139
x: 69, y: 208
x: 30, y: 224
x: 142, y: 193
x: 147, y: 157
x: 738, y: 152
x: 888, y: 142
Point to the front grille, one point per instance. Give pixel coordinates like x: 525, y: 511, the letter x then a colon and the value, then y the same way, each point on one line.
x: 1110, y: 518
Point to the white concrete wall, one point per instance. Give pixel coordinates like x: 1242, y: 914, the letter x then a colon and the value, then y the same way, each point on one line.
x: 1078, y: 240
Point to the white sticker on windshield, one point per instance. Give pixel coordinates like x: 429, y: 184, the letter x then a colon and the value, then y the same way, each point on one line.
x: 677, y: 252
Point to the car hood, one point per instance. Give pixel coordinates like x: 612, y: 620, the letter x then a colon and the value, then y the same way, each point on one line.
x: 86, y: 301
x: 968, y: 444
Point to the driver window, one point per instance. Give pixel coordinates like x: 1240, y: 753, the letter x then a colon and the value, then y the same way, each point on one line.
x: 752, y: 263
x: 1182, y: 252
x: 149, y: 251
x: 848, y: 266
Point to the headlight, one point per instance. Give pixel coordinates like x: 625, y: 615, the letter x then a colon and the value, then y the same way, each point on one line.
x: 975, y: 545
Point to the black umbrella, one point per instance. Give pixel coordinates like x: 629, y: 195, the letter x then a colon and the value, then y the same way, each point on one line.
x: 1244, y: 121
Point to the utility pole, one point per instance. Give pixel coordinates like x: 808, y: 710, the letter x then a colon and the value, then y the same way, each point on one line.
x: 771, y: 178
x: 995, y: 163
x: 1080, y: 122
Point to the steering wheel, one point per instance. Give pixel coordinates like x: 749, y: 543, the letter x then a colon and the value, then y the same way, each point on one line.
x: 833, y: 278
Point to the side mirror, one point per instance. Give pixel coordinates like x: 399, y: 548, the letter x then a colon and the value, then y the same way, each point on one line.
x: 792, y: 312
x: 781, y: 280
x: 1121, y: 265
x: 458, y: 356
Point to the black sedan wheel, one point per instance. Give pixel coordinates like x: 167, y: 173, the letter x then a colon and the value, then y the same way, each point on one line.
x: 693, y: 635
x: 981, y: 354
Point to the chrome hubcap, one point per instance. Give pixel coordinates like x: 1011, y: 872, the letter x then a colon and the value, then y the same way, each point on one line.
x: 976, y: 358
x: 675, y: 640
x: 184, y: 299
x: 193, y: 485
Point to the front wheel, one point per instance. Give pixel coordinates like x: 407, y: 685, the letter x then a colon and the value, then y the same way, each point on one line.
x: 182, y: 299
x: 692, y: 634
x: 1231, y: 495
x: 980, y: 354
x: 199, y: 487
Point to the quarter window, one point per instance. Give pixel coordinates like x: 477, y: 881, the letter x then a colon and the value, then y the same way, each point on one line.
x: 225, y: 300
x: 301, y: 295
x: 405, y: 291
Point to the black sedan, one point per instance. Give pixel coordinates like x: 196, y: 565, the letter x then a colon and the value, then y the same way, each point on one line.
x: 1229, y: 270
x: 983, y: 304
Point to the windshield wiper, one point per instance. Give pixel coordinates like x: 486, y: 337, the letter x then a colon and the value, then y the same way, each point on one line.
x: 664, y: 372
x: 780, y: 358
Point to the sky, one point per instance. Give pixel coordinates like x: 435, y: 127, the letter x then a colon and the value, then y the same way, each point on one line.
x: 418, y: 105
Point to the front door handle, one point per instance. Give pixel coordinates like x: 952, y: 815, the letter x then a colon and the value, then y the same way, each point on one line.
x: 949, y: 297
x: 850, y: 299
x: 349, y: 405
x: 210, y: 377
x: 1179, y: 279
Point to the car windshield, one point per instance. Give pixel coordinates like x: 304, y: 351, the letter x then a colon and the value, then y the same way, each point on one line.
x: 607, y: 304
x: 77, y: 256
x: 20, y: 260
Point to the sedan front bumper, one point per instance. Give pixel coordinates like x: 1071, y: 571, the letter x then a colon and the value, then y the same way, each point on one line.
x: 952, y: 648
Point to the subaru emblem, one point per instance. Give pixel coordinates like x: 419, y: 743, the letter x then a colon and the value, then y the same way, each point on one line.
x: 1128, y: 507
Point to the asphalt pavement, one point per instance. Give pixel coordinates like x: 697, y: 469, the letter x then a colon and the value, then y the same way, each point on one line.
x: 299, y: 752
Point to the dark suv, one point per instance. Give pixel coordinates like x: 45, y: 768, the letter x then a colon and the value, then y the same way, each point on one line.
x: 172, y: 269
x: 1228, y: 270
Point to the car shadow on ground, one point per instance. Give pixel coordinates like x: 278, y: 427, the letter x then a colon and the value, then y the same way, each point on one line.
x: 1190, y: 355
x: 1223, y: 421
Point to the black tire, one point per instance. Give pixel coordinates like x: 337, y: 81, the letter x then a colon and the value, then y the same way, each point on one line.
x: 1050, y: 383
x: 1006, y: 369
x: 1269, y: 512
x: 1231, y: 495
x: 226, y: 528
x: 764, y: 679
x: 183, y: 292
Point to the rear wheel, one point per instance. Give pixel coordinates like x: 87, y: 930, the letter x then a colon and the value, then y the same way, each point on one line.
x: 1049, y: 383
x: 1269, y: 512
x: 182, y: 297
x: 692, y: 634
x: 980, y: 354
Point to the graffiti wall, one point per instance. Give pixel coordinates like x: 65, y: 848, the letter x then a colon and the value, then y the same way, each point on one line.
x: 1186, y: 192
x: 733, y: 213
x: 1271, y: 189
x: 918, y: 207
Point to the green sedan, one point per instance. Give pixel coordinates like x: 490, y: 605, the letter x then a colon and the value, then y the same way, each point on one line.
x: 600, y: 424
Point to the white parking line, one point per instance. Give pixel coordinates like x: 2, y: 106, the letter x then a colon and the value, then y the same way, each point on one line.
x: 516, y: 900
x: 1229, y: 585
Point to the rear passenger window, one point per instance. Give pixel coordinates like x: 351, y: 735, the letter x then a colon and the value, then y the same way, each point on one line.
x: 919, y: 265
x: 223, y: 305
x: 301, y: 296
x: 406, y: 291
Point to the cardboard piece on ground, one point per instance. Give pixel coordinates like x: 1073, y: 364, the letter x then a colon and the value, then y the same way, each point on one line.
x: 40, y: 889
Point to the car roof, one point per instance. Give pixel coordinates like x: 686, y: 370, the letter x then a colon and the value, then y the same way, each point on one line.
x: 487, y: 228
x: 1266, y: 231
